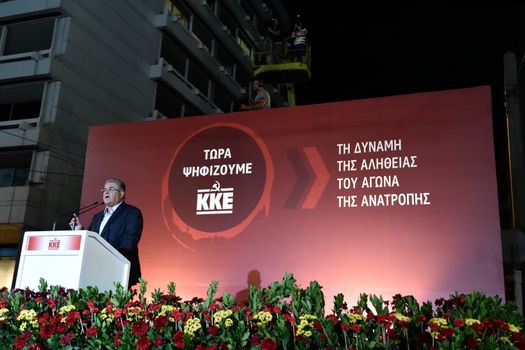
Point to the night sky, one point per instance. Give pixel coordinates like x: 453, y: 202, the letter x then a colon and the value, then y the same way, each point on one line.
x: 371, y: 50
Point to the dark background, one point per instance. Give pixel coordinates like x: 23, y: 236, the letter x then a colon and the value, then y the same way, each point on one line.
x: 377, y: 49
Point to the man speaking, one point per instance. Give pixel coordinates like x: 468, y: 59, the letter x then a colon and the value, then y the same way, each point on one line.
x: 120, y: 224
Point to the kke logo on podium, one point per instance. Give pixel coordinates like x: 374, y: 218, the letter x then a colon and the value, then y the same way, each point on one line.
x: 62, y: 243
x: 218, y: 180
x: 53, y: 244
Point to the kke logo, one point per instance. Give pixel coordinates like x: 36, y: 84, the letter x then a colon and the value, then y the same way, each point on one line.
x: 219, y: 180
x: 54, y: 244
x: 215, y: 200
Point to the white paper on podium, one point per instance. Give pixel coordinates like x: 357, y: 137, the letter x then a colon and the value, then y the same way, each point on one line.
x: 71, y: 259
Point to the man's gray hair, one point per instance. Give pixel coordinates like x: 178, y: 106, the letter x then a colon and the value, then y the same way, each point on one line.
x: 119, y: 183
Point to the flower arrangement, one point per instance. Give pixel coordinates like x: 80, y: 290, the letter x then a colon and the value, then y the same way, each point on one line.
x: 281, y: 316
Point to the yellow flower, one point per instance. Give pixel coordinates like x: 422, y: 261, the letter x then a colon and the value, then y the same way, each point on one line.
x: 30, y: 316
x: 3, y: 313
x: 26, y: 315
x: 513, y: 328
x: 354, y: 318
x: 192, y: 326
x: 166, y: 309
x: 228, y: 322
x: 471, y: 321
x: 505, y: 340
x: 401, y: 317
x: 66, y: 309
x: 441, y: 322
x: 221, y: 315
x: 136, y: 312
x: 263, y: 316
x: 104, y: 315
x: 305, y: 324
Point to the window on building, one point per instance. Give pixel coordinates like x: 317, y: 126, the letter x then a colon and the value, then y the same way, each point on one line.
x: 29, y: 36
x: 227, y: 19
x: 174, y: 54
x: 198, y: 77
x: 179, y: 10
x: 14, y: 167
x: 225, y: 59
x: 245, y: 44
x: 243, y: 79
x: 248, y: 8
x: 222, y: 99
x: 21, y: 101
x: 202, y: 34
x: 211, y: 4
x: 168, y: 102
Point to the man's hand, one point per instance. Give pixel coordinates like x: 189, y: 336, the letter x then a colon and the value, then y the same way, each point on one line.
x: 75, y: 223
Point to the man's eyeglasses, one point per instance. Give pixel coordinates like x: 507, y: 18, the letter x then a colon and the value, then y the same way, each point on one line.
x: 111, y: 189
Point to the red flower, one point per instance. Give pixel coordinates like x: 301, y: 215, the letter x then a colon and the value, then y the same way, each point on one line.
x: 158, y: 341
x: 66, y: 339
x: 268, y: 344
x: 20, y: 341
x: 139, y: 328
x: 333, y: 318
x: 458, y: 322
x: 92, y: 307
x: 52, y: 302
x: 176, y: 314
x: 478, y: 327
x: 318, y: 326
x: 160, y: 322
x: 403, y: 324
x: 356, y: 328
x: 118, y: 313
x: 213, y: 330
x: 92, y: 331
x: 46, y: 331
x: 276, y: 309
x: 472, y: 343
x: 255, y: 340
x: 178, y: 340
x: 345, y: 326
x: 143, y: 343
x: 116, y: 339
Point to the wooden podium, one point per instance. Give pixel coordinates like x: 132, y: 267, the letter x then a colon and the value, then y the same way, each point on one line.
x: 71, y: 259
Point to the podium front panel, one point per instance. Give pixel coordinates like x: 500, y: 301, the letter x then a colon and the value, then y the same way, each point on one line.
x: 71, y: 259
x: 54, y: 256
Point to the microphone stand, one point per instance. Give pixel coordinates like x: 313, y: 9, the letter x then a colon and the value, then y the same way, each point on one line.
x: 81, y: 210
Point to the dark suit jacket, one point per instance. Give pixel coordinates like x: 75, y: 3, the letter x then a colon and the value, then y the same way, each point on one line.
x: 123, y: 231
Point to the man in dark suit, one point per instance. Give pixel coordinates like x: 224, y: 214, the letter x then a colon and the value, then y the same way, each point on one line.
x: 119, y: 223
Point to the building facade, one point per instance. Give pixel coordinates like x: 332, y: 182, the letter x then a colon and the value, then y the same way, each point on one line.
x: 66, y: 65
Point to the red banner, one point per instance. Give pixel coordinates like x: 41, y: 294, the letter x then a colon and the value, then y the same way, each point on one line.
x: 383, y: 196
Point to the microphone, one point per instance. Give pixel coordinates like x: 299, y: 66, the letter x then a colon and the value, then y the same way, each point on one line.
x: 87, y: 208
x: 80, y: 210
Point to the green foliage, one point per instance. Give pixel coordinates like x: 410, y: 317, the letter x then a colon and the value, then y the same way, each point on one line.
x: 281, y: 316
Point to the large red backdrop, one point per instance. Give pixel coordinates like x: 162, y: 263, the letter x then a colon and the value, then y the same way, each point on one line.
x: 381, y: 196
